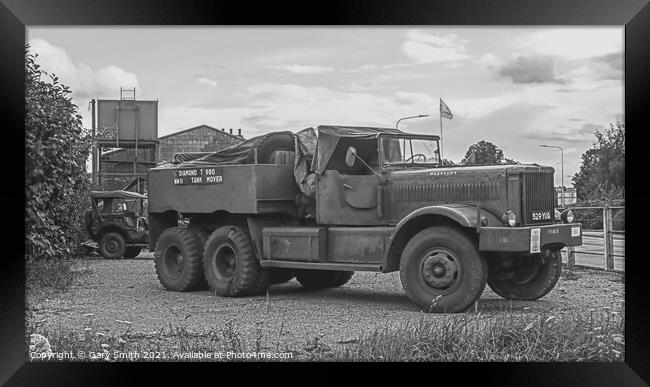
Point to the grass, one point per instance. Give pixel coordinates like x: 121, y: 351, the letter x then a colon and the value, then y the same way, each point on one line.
x: 505, y: 336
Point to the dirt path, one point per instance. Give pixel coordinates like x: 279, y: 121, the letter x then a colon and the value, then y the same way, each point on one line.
x: 129, y: 290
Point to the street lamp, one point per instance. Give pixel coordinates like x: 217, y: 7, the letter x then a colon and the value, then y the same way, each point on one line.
x: 562, y: 163
x: 408, y: 118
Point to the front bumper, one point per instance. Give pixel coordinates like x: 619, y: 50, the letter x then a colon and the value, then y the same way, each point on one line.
x: 518, y: 239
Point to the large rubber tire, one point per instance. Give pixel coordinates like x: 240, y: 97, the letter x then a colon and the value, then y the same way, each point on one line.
x: 230, y: 265
x: 112, y: 245
x: 321, y: 279
x: 279, y: 276
x: 442, y: 271
x: 178, y: 260
x: 202, y: 234
x: 533, y: 278
x: 132, y: 252
x: 272, y: 143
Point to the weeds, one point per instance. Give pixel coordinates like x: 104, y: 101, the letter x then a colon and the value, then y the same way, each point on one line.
x: 597, y: 336
x: 505, y: 337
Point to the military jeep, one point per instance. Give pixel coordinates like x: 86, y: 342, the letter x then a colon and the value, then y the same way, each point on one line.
x: 116, y: 223
x: 356, y: 199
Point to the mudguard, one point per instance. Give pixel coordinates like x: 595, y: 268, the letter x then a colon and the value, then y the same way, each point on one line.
x: 464, y: 215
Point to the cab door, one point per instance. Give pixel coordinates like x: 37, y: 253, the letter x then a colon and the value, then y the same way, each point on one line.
x: 347, y: 199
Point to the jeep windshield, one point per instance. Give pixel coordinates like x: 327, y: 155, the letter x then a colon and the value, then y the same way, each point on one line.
x: 408, y: 151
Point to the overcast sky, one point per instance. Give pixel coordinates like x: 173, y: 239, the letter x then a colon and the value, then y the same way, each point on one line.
x: 515, y: 87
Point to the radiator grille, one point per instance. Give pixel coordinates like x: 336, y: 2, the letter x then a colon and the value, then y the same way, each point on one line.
x: 538, y: 199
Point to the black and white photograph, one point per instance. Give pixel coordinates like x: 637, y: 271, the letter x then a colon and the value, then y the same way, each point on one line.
x: 325, y: 193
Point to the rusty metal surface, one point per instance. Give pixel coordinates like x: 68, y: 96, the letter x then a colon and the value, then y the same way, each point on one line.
x: 517, y: 239
x: 135, y: 119
x: 321, y: 266
x: 409, y: 190
x: 244, y: 189
x: 358, y: 244
x: 308, y: 244
x: 334, y: 209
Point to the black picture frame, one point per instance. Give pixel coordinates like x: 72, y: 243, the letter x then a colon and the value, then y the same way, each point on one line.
x: 15, y: 15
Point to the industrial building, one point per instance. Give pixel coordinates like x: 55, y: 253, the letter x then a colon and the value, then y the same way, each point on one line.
x: 118, y: 164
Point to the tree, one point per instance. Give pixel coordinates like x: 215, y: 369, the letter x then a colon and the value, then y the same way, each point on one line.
x: 56, y: 149
x: 485, y: 153
x: 602, y: 172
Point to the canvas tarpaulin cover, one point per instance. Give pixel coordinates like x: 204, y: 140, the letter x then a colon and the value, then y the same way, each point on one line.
x: 312, y: 153
x: 116, y: 194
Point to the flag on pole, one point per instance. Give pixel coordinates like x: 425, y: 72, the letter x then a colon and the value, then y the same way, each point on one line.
x: 444, y: 110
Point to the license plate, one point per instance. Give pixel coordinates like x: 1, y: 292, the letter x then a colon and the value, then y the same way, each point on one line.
x: 575, y: 231
x: 540, y: 215
x: 535, y: 236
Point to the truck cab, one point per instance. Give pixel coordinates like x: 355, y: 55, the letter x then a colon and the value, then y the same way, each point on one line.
x: 360, y: 198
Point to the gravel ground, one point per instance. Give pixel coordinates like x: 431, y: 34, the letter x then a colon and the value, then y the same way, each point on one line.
x: 129, y: 290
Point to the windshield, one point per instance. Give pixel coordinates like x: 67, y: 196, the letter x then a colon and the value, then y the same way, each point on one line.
x: 404, y: 150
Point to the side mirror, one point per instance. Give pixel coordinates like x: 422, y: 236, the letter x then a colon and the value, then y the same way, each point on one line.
x: 350, y: 156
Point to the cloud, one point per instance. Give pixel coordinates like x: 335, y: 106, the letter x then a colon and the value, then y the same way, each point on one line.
x: 589, y: 129
x: 530, y: 69
x: 574, y: 43
x: 425, y: 101
x: 434, y: 48
x: 304, y: 69
x: 207, y: 81
x: 84, y: 81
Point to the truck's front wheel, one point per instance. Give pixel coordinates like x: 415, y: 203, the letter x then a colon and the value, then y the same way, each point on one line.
x: 230, y: 265
x: 530, y: 278
x: 178, y: 260
x: 442, y: 271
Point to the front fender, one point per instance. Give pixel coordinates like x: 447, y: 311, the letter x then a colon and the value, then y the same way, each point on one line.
x: 464, y: 215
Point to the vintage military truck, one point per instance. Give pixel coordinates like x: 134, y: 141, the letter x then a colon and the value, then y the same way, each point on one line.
x: 356, y: 199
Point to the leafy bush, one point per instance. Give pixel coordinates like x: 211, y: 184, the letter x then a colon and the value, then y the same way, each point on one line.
x: 56, y: 182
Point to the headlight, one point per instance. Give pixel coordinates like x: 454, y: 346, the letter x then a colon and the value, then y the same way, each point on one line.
x: 509, y: 218
x: 558, y: 215
x: 567, y: 216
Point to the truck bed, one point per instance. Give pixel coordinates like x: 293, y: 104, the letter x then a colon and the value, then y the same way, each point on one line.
x: 243, y: 189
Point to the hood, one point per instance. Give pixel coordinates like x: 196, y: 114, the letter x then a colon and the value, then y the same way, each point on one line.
x: 476, y: 169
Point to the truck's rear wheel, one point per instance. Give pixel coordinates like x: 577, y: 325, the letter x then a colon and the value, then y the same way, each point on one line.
x: 112, y: 245
x: 321, y: 279
x: 442, y: 271
x: 531, y: 277
x: 132, y: 252
x: 230, y: 265
x: 202, y: 234
x: 178, y: 260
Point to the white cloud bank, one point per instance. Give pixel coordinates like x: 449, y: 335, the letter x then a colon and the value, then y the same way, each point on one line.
x: 207, y: 81
x: 434, y: 48
x: 84, y: 81
x: 574, y: 43
x: 304, y: 69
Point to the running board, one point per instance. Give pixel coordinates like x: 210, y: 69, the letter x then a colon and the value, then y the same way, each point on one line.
x: 320, y: 265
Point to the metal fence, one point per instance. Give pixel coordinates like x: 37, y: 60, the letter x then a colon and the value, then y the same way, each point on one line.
x: 603, y: 235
